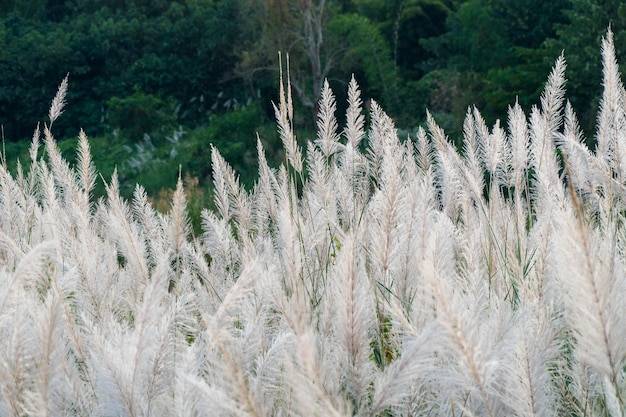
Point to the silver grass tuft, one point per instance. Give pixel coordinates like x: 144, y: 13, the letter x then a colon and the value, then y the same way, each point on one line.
x: 377, y: 276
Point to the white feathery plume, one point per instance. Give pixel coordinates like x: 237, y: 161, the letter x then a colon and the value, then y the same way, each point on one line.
x: 16, y: 368
x: 289, y: 248
x: 519, y: 140
x: 375, y: 137
x: 585, y: 171
x: 447, y: 169
x: 472, y: 154
x: 320, y: 223
x: 139, y: 361
x: 266, y: 184
x: 413, y: 367
x: 150, y: 225
x: 215, y: 401
x: 79, y: 207
x: 219, y: 169
x: 611, y: 137
x: 218, y: 335
x: 235, y: 294
x: 27, y: 197
x: 61, y: 172
x: 529, y: 389
x: 553, y: 96
x: 125, y: 233
x: 204, y: 287
x: 34, y: 145
x: 426, y: 211
x: 475, y: 373
x: 355, y: 121
x: 352, y: 164
x: 498, y: 140
x: 614, y: 404
x: 180, y: 227
x: 355, y: 317
x: 284, y: 118
x: 327, y: 137
x: 86, y: 169
x: 547, y: 188
x: 592, y: 292
x: 486, y: 152
x: 230, y: 198
x: 319, y: 195
x: 424, y: 150
x: 49, y: 396
x: 387, y: 204
x: 48, y: 194
x: 310, y: 391
x: 56, y: 108
x: 186, y: 403
x: 416, y: 199
x: 272, y: 384
x: 28, y: 270
x: 14, y: 203
x: 352, y: 185
x: 217, y: 236
x: 34, y: 161
x: 544, y: 126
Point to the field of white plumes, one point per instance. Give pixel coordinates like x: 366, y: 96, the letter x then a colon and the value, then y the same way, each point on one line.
x: 380, y: 276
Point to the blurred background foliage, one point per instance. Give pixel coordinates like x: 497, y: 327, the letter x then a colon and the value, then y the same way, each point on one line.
x: 155, y: 82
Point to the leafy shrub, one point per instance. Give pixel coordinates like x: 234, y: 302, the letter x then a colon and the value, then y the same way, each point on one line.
x: 404, y: 279
x: 234, y: 135
x: 140, y: 114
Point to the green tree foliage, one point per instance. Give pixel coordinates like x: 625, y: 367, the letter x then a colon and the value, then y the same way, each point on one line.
x: 34, y: 8
x: 148, y: 66
x: 139, y: 114
x: 404, y: 23
x: 29, y: 54
x: 182, y: 49
x: 367, y: 55
x: 323, y: 38
x: 492, y: 54
x: 578, y: 37
x: 294, y: 28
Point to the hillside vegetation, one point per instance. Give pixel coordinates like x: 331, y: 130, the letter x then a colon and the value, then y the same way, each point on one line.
x: 369, y: 276
x: 154, y: 83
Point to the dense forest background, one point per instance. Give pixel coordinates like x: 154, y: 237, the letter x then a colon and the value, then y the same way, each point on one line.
x: 154, y: 82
